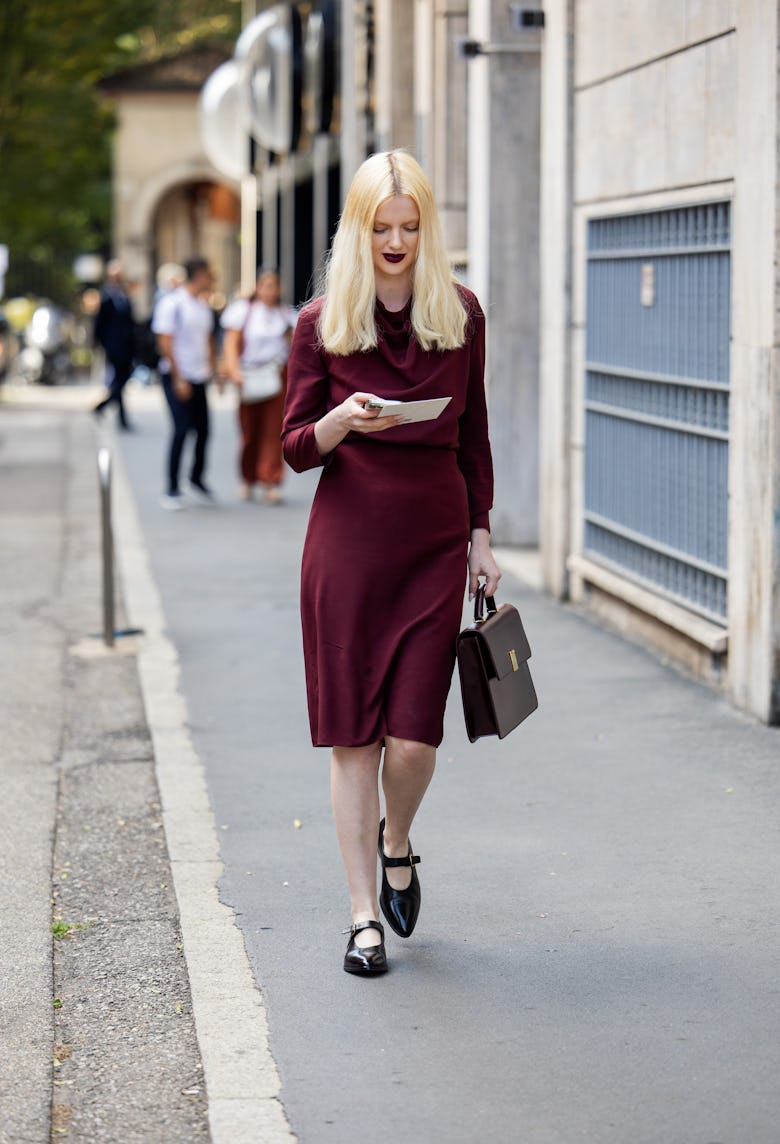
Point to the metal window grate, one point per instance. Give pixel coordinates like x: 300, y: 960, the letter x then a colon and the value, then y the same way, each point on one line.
x: 684, y: 405
x: 681, y: 335
x: 704, y: 226
x: 657, y: 401
x: 679, y: 579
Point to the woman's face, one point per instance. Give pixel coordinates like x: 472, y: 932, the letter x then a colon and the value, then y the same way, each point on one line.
x: 269, y: 289
x: 394, y: 238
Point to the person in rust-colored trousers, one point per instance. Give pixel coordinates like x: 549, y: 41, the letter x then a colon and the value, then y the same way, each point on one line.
x: 257, y: 334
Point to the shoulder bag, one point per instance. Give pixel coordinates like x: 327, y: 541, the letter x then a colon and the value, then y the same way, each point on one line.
x: 260, y: 382
x: 495, y: 681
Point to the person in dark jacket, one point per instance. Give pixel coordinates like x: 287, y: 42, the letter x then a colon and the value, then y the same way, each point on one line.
x: 115, y: 332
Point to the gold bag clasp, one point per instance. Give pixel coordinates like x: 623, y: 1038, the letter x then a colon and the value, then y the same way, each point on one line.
x: 513, y: 659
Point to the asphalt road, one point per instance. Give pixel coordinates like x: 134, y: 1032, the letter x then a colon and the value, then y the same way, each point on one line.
x: 597, y: 954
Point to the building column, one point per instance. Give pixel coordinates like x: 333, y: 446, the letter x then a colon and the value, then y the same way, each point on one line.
x: 353, y: 86
x: 321, y: 159
x: 555, y: 226
x: 503, y: 232
x: 287, y: 171
x: 394, y: 74
x: 269, y: 202
x: 754, y: 463
x: 424, y: 81
x: 447, y: 157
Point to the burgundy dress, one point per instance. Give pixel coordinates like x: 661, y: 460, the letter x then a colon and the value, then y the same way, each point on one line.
x: 384, y: 563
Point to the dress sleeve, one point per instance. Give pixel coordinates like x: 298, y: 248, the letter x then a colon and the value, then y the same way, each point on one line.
x: 307, y: 396
x: 474, y: 457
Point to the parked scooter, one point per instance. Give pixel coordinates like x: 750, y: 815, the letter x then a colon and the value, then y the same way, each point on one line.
x: 45, y: 355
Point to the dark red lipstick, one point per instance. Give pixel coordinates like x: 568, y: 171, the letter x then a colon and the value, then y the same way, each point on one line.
x: 394, y: 257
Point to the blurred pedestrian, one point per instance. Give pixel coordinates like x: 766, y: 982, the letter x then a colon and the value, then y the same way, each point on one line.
x: 258, y: 331
x: 114, y: 330
x: 147, y: 354
x: 400, y: 513
x: 169, y: 277
x: 184, y: 324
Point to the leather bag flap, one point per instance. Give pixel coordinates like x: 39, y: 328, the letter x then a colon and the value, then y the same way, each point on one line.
x: 504, y: 642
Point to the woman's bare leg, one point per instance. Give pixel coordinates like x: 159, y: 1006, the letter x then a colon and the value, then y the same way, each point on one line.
x: 406, y: 775
x: 355, y: 798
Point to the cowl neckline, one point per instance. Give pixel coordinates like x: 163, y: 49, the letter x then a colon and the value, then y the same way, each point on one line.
x: 394, y: 325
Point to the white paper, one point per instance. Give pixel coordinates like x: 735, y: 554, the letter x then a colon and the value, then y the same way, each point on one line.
x: 427, y: 410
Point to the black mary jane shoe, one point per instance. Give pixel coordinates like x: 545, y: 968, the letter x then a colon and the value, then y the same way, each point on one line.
x: 368, y: 960
x: 400, y: 907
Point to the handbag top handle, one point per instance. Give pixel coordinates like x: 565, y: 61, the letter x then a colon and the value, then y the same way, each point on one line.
x: 480, y: 600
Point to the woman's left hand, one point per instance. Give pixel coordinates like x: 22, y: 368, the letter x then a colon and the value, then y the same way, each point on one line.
x: 482, y: 563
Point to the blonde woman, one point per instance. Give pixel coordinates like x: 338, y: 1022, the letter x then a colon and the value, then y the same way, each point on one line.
x: 401, y: 512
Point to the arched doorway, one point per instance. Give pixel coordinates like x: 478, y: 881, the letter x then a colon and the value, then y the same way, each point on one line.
x: 199, y: 218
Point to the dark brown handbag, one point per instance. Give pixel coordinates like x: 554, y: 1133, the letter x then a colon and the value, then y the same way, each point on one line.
x: 495, y: 681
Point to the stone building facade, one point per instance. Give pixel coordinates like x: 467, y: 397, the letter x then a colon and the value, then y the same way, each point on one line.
x: 608, y: 186
x: 615, y: 180
x: 170, y: 203
x: 660, y: 414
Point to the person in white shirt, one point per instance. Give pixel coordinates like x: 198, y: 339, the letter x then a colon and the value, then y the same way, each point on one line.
x: 256, y: 346
x: 184, y: 324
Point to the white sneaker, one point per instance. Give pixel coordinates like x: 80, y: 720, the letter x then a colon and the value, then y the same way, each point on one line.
x: 174, y: 502
x: 200, y: 493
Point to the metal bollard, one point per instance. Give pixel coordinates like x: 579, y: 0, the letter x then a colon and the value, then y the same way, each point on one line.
x: 104, y: 477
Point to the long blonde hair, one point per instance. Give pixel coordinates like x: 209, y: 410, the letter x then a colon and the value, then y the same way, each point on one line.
x: 347, y: 323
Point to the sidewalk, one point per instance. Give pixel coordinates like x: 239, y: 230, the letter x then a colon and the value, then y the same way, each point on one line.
x: 97, y: 1038
x: 599, y: 956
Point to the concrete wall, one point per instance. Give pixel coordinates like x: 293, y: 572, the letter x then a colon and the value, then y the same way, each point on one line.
x: 614, y: 36
x: 681, y: 128
x: 754, y: 472
x: 647, y: 119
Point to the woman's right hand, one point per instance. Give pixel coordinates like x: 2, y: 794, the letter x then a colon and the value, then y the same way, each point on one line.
x: 357, y: 419
x: 350, y: 417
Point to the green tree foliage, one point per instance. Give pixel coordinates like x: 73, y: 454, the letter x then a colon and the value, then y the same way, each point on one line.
x: 55, y: 130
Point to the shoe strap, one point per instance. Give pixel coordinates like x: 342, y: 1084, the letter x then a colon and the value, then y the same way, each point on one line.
x: 358, y: 927
x: 409, y: 860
